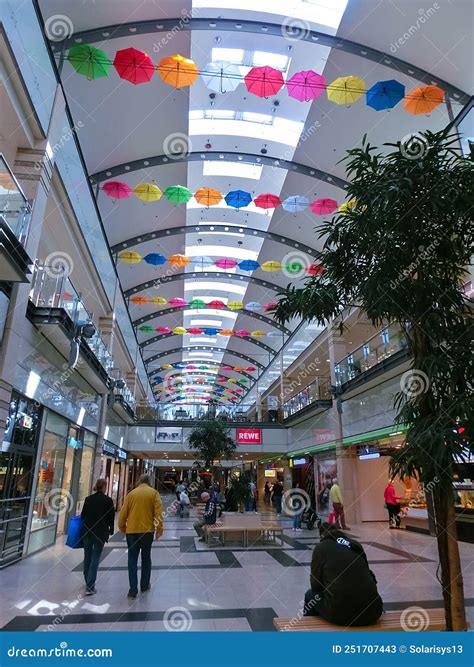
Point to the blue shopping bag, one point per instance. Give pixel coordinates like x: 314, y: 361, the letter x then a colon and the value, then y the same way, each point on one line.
x: 74, y: 533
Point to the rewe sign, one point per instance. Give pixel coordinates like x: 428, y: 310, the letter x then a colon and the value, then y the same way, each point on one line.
x: 246, y: 436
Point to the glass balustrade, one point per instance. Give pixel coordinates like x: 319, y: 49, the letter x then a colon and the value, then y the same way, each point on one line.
x: 14, y: 206
x: 184, y: 411
x: 318, y: 390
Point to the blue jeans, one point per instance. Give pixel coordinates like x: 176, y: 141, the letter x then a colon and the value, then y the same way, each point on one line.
x: 297, y: 519
x: 92, y: 551
x: 137, y: 542
x: 278, y: 504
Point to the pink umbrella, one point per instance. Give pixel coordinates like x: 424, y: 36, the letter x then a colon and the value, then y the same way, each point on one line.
x: 305, y: 86
x: 177, y: 301
x: 227, y: 368
x: 242, y: 333
x: 163, y: 330
x: 225, y: 263
x: 191, y: 367
x: 323, y: 206
x: 268, y: 307
x: 117, y: 190
x: 264, y: 81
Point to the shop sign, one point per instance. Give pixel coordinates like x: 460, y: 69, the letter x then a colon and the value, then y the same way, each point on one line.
x: 299, y: 462
x: 368, y: 452
x: 169, y: 434
x: 323, y: 435
x: 247, y: 436
x: 121, y: 453
x: 109, y: 449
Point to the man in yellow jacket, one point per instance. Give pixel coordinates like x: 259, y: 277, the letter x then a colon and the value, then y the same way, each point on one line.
x: 140, y: 518
x: 335, y: 495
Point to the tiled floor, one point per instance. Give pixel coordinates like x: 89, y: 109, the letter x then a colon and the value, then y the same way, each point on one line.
x: 222, y: 589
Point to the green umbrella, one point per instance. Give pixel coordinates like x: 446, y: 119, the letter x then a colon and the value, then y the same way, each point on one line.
x: 89, y: 61
x: 197, y: 303
x: 294, y: 267
x: 146, y: 328
x: 178, y: 194
x: 202, y: 368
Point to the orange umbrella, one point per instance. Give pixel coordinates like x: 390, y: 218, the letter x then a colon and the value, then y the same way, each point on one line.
x: 140, y: 300
x: 226, y: 332
x: 423, y: 99
x: 208, y: 196
x: 178, y: 260
x: 177, y: 71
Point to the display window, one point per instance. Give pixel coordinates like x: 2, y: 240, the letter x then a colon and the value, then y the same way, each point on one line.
x: 48, y: 499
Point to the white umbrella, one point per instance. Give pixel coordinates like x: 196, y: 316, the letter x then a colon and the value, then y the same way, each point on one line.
x: 221, y: 77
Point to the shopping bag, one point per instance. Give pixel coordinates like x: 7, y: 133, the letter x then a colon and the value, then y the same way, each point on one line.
x: 74, y: 533
x: 331, y: 517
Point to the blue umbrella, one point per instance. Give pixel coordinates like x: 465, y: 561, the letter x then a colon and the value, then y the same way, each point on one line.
x: 158, y: 379
x: 202, y: 261
x: 248, y: 265
x: 385, y: 94
x: 211, y: 332
x: 296, y: 203
x: 238, y: 198
x: 179, y: 365
x: 253, y: 306
x: 155, y: 258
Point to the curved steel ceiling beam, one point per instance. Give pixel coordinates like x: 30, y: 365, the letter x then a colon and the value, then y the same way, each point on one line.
x: 224, y: 350
x: 248, y: 339
x: 157, y: 371
x: 243, y: 311
x: 195, y: 229
x: 233, y: 277
x: 302, y: 33
x: 199, y: 156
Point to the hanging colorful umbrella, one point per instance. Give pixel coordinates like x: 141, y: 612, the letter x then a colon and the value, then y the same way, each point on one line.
x: 239, y: 368
x: 195, y: 331
x: 139, y: 300
x: 295, y: 204
x: 225, y: 263
x: 294, y: 267
x: 201, y: 262
x: 166, y: 366
x: 267, y: 200
x: 117, y: 190
x: 155, y: 259
x: 269, y: 307
x: 179, y: 365
x: 258, y: 333
x: 221, y: 76
x: 177, y: 302
x: 271, y: 266
x: 345, y: 90
x: 248, y: 265
x: 130, y: 257
x: 235, y: 305
x: 423, y: 99
x: 242, y: 333
x: 250, y: 369
x: 157, y: 379
x: 274, y: 334
x: 210, y: 332
x: 314, y: 269
x: 238, y: 198
x: 253, y: 306
x: 133, y: 65
x: 147, y: 192
x: 226, y: 332
x: 179, y: 331
x: 179, y: 260
x: 191, y: 367
x: 177, y: 71
x: 385, y: 95
x: 347, y: 205
x: 323, y: 206
x: 305, y: 86
x: 208, y: 196
x: 222, y: 379
x: 178, y: 194
x: 227, y: 368
x: 197, y: 303
x: 264, y: 81
x: 203, y: 368
x: 89, y: 61
x: 216, y: 304
x: 159, y: 300
x: 163, y: 330
x: 233, y: 380
x: 146, y: 328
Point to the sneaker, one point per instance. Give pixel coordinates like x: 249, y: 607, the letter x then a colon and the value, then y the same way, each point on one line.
x: 132, y: 595
x: 147, y: 588
x: 91, y: 591
x: 299, y: 530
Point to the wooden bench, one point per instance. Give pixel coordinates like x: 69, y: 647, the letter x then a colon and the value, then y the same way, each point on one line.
x: 390, y: 621
x: 220, y: 528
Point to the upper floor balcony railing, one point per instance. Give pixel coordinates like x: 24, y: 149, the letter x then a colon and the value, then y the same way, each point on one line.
x: 188, y: 411
x: 377, y: 349
x: 318, y: 390
x: 14, y: 207
x: 51, y: 288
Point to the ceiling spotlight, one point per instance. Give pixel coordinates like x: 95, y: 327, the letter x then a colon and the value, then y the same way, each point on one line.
x: 276, y: 103
x: 208, y: 145
x: 263, y: 151
x: 212, y: 96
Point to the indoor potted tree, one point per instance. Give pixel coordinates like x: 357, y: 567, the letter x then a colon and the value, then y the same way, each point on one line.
x: 211, y: 441
x: 399, y: 250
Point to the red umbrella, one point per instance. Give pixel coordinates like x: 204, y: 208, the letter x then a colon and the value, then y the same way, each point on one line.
x: 264, y: 81
x: 251, y: 368
x: 227, y: 368
x: 323, y: 206
x: 117, y: 190
x: 195, y: 330
x: 217, y: 305
x: 268, y: 307
x: 306, y: 85
x: 267, y: 201
x: 314, y: 269
x: 133, y: 65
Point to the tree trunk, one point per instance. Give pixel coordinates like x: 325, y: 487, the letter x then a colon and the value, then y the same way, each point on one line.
x: 451, y: 576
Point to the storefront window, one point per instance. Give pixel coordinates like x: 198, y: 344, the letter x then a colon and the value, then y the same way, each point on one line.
x: 48, y: 500
x: 87, y: 465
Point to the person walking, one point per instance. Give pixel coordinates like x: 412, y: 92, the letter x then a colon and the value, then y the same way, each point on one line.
x: 140, y: 517
x: 277, y: 495
x: 98, y: 517
x: 267, y: 493
x: 392, y: 505
x: 335, y: 494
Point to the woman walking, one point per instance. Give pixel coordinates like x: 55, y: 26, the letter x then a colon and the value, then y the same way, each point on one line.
x: 392, y: 505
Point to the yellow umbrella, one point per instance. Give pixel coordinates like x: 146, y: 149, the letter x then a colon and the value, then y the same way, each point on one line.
x: 159, y: 300
x: 345, y: 89
x: 257, y: 333
x: 235, y: 305
x: 177, y: 71
x: 147, y: 192
x: 166, y: 366
x: 347, y: 205
x: 271, y: 265
x: 179, y: 330
x: 130, y: 257
x: 178, y: 260
x: 231, y: 380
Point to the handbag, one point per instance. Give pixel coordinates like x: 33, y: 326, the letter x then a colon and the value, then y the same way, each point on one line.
x: 74, y: 533
x: 331, y: 517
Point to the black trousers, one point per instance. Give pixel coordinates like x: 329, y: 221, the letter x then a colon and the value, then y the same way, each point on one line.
x: 393, y: 514
x: 139, y: 542
x: 312, y: 602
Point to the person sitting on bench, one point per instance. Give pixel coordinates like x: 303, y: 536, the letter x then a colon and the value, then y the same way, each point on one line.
x: 343, y: 588
x: 209, y: 516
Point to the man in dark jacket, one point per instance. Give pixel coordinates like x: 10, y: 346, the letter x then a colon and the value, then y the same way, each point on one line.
x: 209, y: 516
x: 98, y: 524
x: 343, y: 588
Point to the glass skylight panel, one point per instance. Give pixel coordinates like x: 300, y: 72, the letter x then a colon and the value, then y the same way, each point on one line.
x: 235, y: 56
x: 241, y: 128
x: 234, y: 169
x: 257, y: 117
x: 220, y: 251
x: 206, y: 323
x: 219, y: 113
x: 276, y: 60
x: 211, y: 287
